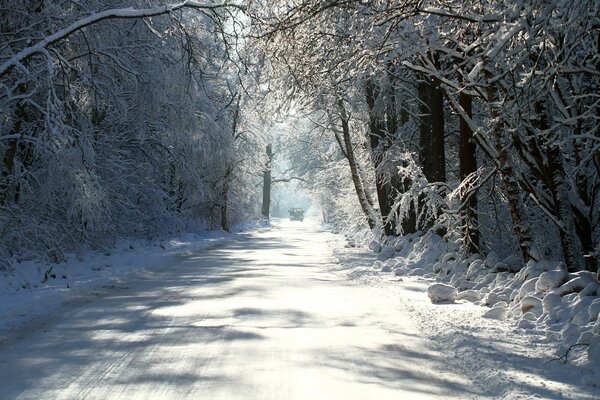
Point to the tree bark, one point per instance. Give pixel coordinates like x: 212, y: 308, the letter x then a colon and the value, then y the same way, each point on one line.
x: 431, y: 130
x: 509, y: 180
x: 380, y: 142
x: 431, y: 137
x: 14, y: 149
x: 467, y: 166
x: 556, y: 180
x: 266, y: 200
x: 229, y: 171
x: 225, y: 201
x: 363, y: 198
x: 571, y: 246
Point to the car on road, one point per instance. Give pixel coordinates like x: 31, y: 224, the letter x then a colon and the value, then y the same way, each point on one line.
x: 296, y: 214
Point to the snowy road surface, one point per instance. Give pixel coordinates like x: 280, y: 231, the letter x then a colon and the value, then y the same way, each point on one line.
x: 269, y: 315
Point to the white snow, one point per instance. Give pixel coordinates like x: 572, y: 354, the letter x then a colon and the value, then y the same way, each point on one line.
x: 497, y: 312
x: 32, y: 292
x: 439, y: 292
x: 273, y: 315
x: 551, y: 280
x: 506, y: 321
x: 267, y: 315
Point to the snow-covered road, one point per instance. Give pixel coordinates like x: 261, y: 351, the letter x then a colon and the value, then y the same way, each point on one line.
x: 266, y: 315
x: 269, y: 316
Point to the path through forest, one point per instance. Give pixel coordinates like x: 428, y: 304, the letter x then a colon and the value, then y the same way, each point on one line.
x: 266, y: 315
x: 269, y: 316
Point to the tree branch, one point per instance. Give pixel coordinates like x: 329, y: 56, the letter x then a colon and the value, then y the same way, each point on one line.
x: 121, y: 13
x: 287, y: 179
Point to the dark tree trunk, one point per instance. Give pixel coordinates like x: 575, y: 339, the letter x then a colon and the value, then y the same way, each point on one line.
x: 266, y: 202
x: 556, y: 180
x: 225, y: 201
x: 431, y: 132
x: 379, y: 141
x: 7, y: 170
x: 229, y: 171
x: 15, y: 148
x: 468, y: 165
x: 509, y: 180
x: 431, y: 138
x: 571, y: 246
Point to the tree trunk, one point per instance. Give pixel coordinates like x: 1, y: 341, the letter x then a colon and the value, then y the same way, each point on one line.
x: 431, y: 137
x: 266, y: 201
x: 7, y: 170
x: 363, y: 197
x: 571, y: 246
x: 224, y: 201
x: 431, y: 132
x: 11, y: 154
x: 468, y: 165
x: 380, y: 141
x: 509, y: 180
x: 556, y: 180
x: 229, y: 170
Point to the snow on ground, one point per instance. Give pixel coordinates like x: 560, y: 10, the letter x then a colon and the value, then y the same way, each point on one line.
x: 511, y: 330
x: 267, y: 315
x: 271, y: 314
x: 31, y: 292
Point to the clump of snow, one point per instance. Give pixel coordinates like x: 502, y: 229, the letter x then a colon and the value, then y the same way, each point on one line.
x: 375, y: 246
x: 551, y: 303
x: 594, y: 350
x: 551, y: 280
x: 439, y: 292
x: 497, y: 312
x: 377, y: 265
x: 532, y: 304
x: 469, y: 295
x: 577, y: 283
x: 526, y: 324
x: 496, y: 296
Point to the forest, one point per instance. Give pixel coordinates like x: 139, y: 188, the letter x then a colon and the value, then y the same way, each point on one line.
x: 479, y: 121
x: 476, y: 122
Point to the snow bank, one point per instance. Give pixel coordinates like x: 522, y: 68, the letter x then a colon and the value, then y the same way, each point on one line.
x: 32, y: 291
x: 540, y: 296
x: 256, y: 225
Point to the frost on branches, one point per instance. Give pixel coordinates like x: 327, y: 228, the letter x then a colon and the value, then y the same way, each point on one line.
x: 116, y: 124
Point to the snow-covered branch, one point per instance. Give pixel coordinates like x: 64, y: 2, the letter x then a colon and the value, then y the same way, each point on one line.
x: 122, y: 13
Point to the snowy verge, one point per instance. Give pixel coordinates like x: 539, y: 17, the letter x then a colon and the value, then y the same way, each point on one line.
x: 31, y: 292
x: 255, y: 225
x: 538, y: 305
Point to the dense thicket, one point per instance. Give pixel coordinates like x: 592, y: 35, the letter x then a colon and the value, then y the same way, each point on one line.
x: 118, y: 126
x: 479, y: 119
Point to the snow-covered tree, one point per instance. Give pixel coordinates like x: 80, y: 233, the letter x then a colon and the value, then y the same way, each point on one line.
x: 117, y: 122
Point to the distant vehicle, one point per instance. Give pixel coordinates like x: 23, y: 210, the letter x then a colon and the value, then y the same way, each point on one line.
x: 296, y: 214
